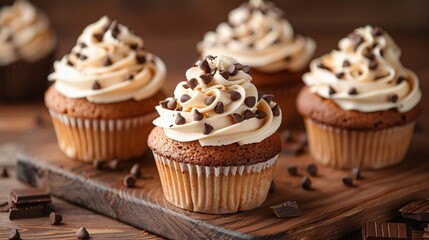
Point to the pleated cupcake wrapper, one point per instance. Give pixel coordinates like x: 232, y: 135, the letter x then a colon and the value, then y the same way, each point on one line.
x: 216, y: 190
x: 341, y: 148
x: 85, y: 139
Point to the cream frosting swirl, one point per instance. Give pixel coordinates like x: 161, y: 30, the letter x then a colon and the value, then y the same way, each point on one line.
x: 218, y: 105
x: 109, y: 64
x: 258, y: 35
x: 365, y: 74
x: 25, y: 33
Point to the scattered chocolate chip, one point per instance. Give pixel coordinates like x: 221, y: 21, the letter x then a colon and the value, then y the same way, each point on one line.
x: 114, y: 164
x: 171, y: 105
x: 260, y: 114
x: 98, y: 164
x: 98, y: 36
x: 292, y: 170
x: 55, y: 218
x: 372, y: 64
x: 96, y: 85
x: 248, y: 114
x: 185, y: 98
x: 136, y: 170
x: 141, y: 58
x: 204, y: 65
x: 272, y: 187
x: 219, y: 108
x: 207, y: 78
x: 235, y: 95
x: 198, y: 116
x: 107, y: 62
x: 193, y: 82
x: 237, y: 118
x: 250, y: 101
x: 286, y: 209
x: 225, y: 74
x: 3, y: 172
x: 306, y: 183
x: 130, y: 181
x: 180, y: 120
x: 353, y: 91
x: 82, y: 233
x: 348, y: 181
x: 268, y: 98
x: 232, y: 70
x: 14, y: 234
x: 164, y: 104
x: 246, y: 69
x: 276, y: 110
x: 312, y: 169
x: 331, y: 90
x: 378, y: 31
x: 323, y: 66
x: 207, y: 129
x: 209, y: 100
x: 400, y: 79
x: 346, y: 63
x: 340, y: 75
x: 393, y: 98
x: 356, y: 173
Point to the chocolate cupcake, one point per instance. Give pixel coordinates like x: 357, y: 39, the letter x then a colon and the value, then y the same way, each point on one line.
x: 102, y: 101
x: 360, y: 104
x: 258, y: 35
x: 215, y: 142
x: 27, y: 46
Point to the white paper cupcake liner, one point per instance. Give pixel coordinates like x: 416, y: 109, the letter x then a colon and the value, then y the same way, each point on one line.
x: 216, y: 190
x: 85, y: 139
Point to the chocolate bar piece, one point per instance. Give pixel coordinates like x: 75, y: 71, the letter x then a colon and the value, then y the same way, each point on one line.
x: 416, y: 210
x: 286, y: 209
x: 426, y: 232
x: 30, y: 211
x: 379, y: 231
x: 29, y: 196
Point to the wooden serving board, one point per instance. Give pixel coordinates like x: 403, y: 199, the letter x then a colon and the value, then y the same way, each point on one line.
x: 331, y: 210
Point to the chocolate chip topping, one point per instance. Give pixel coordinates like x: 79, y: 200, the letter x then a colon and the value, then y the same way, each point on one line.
x: 369, y: 55
x: 179, y: 108
x: 219, y: 108
x: 260, y: 114
x: 268, y: 98
x: 353, y: 91
x: 306, y: 183
x: 250, y: 101
x: 180, y: 120
x: 340, y: 75
x: 14, y: 234
x: 246, y: 69
x: 237, y: 118
x: 136, y: 170
x: 82, y: 57
x: 204, y: 65
x: 130, y: 181
x: 372, y: 64
x: 98, y: 36
x: 346, y: 63
x: 141, y: 58
x: 207, y: 129
x: 331, y: 90
x: 185, y: 86
x: 114, y: 28
x: 292, y: 170
x: 238, y: 66
x: 96, y: 85
x: 193, y: 82
x: 276, y: 110
x: 207, y: 78
x: 232, y: 70
x: 164, y: 104
x: 235, y: 95
x: 114, y: 164
x: 171, y: 105
x: 378, y: 31
x: 400, y: 79
x: 82, y: 233
x: 107, y: 62
x: 348, y: 181
x: 358, y: 41
x: 248, y: 114
x: 55, y: 218
x: 225, y: 74
x: 323, y: 66
x: 133, y: 46
x: 394, y: 98
x: 185, y: 98
x: 312, y: 169
x: 288, y: 58
x: 129, y: 76
x: 197, y: 115
x: 209, y: 100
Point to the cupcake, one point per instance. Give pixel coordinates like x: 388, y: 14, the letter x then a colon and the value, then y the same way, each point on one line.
x: 360, y: 104
x: 102, y: 100
x: 215, y: 142
x: 258, y: 35
x: 27, y: 46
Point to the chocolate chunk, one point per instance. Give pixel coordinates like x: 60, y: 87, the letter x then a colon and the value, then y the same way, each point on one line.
x: 400, y: 79
x: 292, y: 170
x: 312, y: 169
x: 323, y: 66
x: 250, y: 101
x: 136, y: 170
x: 209, y: 100
x: 204, y: 65
x: 393, y: 98
x: 372, y: 64
x: 237, y: 118
x: 235, y: 95
x: 98, y: 36
x: 286, y: 209
x: 207, y: 78
x: 268, y: 98
x: 207, y: 129
x: 246, y: 69
x: 129, y: 76
x: 171, y: 105
x: 114, y: 164
x: 248, y: 114
x: 141, y: 58
x: 356, y: 173
x: 272, y: 187
x: 306, y: 183
x: 29, y: 196
x: 346, y: 63
x: 185, y: 98
x: 55, y: 218
x: 416, y: 210
x: 3, y: 172
x: 164, y: 104
x: 353, y: 91
x: 378, y: 31
x: 197, y: 115
x: 130, y: 181
x: 82, y: 233
x: 374, y: 230
x: 98, y: 164
x: 232, y: 70
x: 339, y: 75
x: 107, y: 62
x: 238, y: 66
x: 331, y: 90
x: 26, y: 211
x: 14, y: 235
x: 225, y: 74
x: 260, y: 114
x: 96, y: 85
x: 180, y: 120
x: 276, y: 110
x: 219, y: 108
x: 348, y: 181
x: 193, y: 82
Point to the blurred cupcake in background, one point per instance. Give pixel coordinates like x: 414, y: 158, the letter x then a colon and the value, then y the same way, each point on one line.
x: 258, y: 35
x: 27, y: 47
x: 360, y: 103
x: 102, y: 102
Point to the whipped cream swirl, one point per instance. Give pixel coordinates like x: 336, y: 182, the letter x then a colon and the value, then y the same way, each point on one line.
x: 25, y: 33
x: 109, y: 64
x: 258, y: 35
x: 365, y: 74
x: 218, y: 105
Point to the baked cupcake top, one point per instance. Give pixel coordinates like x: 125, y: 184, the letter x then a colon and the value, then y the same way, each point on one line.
x: 25, y: 33
x: 365, y: 74
x: 258, y: 35
x: 218, y: 105
x: 108, y: 64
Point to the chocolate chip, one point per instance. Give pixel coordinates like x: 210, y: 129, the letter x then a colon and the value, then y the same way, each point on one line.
x: 82, y: 233
x: 358, y: 41
x: 209, y: 100
x: 238, y: 66
x: 171, y: 105
x: 129, y: 76
x: 69, y: 62
x: 204, y: 65
x: 394, y: 98
x: 82, y: 57
x: 185, y: 98
x: 219, y: 108
x: 260, y: 114
x: 288, y: 58
x: 98, y: 164
x: 400, y: 79
x: 207, y: 78
x: 268, y: 98
x: 235, y: 95
x: 193, y: 82
x: 210, y: 57
x: 292, y: 170
x: 232, y: 70
x: 141, y: 58
x: 198, y: 116
x: 225, y: 74
x: 237, y: 118
x: 356, y: 172
x: 96, y: 85
x: 213, y: 72
x: 114, y: 164
x: 179, y: 109
x: 180, y: 120
x: 107, y: 62
x: 353, y: 91
x: 250, y: 101
x: 323, y: 66
x: 348, y: 181
x: 276, y: 110
x: 246, y: 69
x: 98, y: 36
x: 114, y: 28
x: 248, y: 114
x: 312, y: 169
x: 339, y: 75
x: 3, y: 172
x: 331, y: 90
x: 164, y: 104
x: 135, y: 170
x: 369, y: 55
x: 372, y: 64
x: 130, y: 181
x: 378, y: 31
x: 207, y: 129
x: 14, y: 234
x: 306, y: 183
x: 346, y: 63
x: 133, y: 46
x: 185, y: 86
x: 272, y: 187
x: 55, y: 218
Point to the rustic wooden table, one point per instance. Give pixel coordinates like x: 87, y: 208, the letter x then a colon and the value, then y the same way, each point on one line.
x: 171, y: 29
